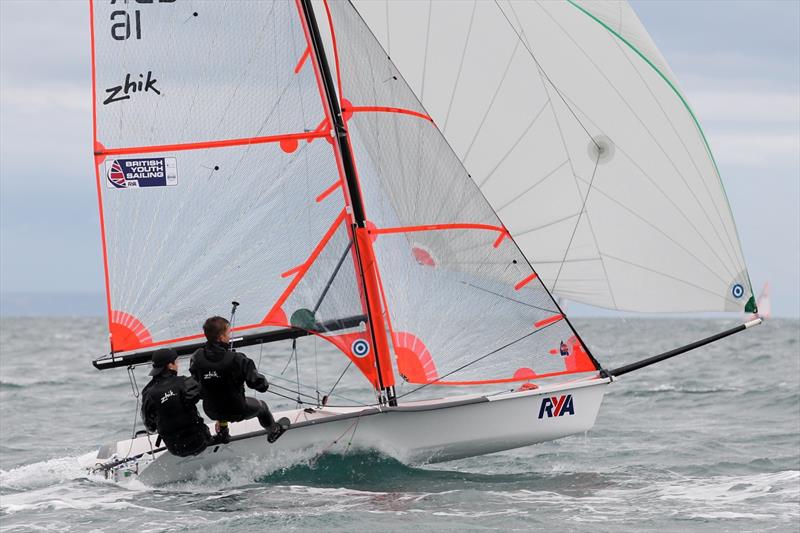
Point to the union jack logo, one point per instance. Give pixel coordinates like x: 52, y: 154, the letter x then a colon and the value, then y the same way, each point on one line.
x: 116, y: 176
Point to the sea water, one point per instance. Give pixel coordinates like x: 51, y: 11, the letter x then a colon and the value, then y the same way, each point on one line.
x: 708, y: 441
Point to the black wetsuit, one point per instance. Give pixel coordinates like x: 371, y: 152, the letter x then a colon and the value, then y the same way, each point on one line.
x: 222, y: 374
x: 169, y: 407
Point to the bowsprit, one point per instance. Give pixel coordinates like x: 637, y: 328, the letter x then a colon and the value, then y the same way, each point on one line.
x: 557, y: 406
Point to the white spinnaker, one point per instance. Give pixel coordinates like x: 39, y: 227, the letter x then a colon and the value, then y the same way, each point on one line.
x: 572, y: 124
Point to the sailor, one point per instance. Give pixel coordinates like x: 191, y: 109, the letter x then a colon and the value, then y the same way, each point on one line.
x: 222, y: 374
x: 169, y: 407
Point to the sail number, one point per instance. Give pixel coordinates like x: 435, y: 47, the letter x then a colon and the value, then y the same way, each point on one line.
x: 123, y: 25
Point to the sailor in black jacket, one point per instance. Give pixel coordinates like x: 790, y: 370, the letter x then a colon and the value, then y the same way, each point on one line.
x: 222, y: 374
x: 169, y: 407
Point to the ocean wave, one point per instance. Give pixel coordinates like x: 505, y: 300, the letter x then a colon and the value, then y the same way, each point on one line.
x: 680, y: 389
x: 45, y: 473
x: 24, y: 385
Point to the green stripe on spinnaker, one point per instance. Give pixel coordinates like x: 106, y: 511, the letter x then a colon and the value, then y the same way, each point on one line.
x: 685, y: 104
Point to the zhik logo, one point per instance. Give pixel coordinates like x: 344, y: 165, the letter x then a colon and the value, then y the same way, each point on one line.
x: 167, y: 395
x: 210, y: 375
x: 557, y: 406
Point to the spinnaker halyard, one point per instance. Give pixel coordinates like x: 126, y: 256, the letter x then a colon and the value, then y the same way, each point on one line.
x: 280, y: 155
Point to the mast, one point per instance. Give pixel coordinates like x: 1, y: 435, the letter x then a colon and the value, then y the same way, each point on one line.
x: 363, y: 245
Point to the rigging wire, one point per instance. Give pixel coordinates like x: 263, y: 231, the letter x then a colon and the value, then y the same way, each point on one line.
x: 316, y: 370
x: 530, y: 52
x: 325, y: 398
x: 578, y: 222
x: 260, y: 353
x: 296, y: 370
x: 289, y: 361
x: 308, y: 387
x: 135, y: 389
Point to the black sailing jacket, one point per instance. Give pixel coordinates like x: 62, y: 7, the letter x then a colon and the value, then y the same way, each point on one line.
x: 169, y: 407
x: 222, y: 374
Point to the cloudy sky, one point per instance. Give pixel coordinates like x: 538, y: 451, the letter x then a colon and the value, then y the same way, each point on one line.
x: 738, y: 63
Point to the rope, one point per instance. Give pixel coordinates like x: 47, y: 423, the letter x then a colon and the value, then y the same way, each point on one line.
x: 135, y: 389
x: 335, y: 441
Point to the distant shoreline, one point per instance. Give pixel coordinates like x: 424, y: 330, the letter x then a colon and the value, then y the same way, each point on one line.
x: 93, y: 305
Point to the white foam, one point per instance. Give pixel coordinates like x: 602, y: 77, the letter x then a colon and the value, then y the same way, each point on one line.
x: 46, y: 473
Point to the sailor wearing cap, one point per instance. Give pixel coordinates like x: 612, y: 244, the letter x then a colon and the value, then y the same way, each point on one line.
x: 169, y: 407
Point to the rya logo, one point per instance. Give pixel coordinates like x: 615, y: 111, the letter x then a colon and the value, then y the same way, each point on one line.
x: 556, y: 406
x: 167, y: 395
x: 212, y: 374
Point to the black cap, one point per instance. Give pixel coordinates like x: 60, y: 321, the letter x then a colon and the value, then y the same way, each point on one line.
x: 161, y: 358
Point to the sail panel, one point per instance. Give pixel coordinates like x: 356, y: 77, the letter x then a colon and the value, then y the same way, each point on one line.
x: 462, y: 304
x: 184, y: 72
x: 570, y: 121
x: 181, y: 252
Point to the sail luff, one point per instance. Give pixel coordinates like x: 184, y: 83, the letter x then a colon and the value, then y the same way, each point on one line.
x: 365, y: 256
x: 97, y: 161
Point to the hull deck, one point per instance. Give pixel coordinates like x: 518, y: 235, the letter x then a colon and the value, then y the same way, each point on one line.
x: 426, y: 431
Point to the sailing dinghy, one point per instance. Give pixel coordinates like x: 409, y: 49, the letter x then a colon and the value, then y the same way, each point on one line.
x: 414, y: 183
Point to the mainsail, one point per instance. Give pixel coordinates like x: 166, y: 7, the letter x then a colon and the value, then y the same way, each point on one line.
x: 215, y: 175
x: 574, y: 127
x: 230, y: 165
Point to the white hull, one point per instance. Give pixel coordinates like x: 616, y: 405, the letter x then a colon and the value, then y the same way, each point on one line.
x: 419, y: 432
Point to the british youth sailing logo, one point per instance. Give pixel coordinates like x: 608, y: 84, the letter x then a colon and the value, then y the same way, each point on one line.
x: 557, y: 406
x: 129, y: 173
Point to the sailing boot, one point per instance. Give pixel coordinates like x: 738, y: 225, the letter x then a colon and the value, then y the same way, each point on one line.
x: 223, y: 435
x: 277, y: 429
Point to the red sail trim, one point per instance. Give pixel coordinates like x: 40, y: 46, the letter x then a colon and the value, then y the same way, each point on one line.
x: 414, y: 360
x: 127, y: 332
x: 302, y: 61
x: 335, y: 49
x: 524, y: 282
x: 324, y: 126
x: 97, y: 172
x: 370, y: 265
x: 436, y: 227
x: 212, y: 144
x: 384, y: 109
x: 277, y: 316
x: 500, y: 239
x: 327, y: 192
x: 344, y: 342
x: 194, y: 337
x: 300, y: 270
x: 293, y: 271
x: 548, y: 321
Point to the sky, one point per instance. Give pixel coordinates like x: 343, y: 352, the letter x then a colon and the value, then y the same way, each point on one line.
x: 738, y: 64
